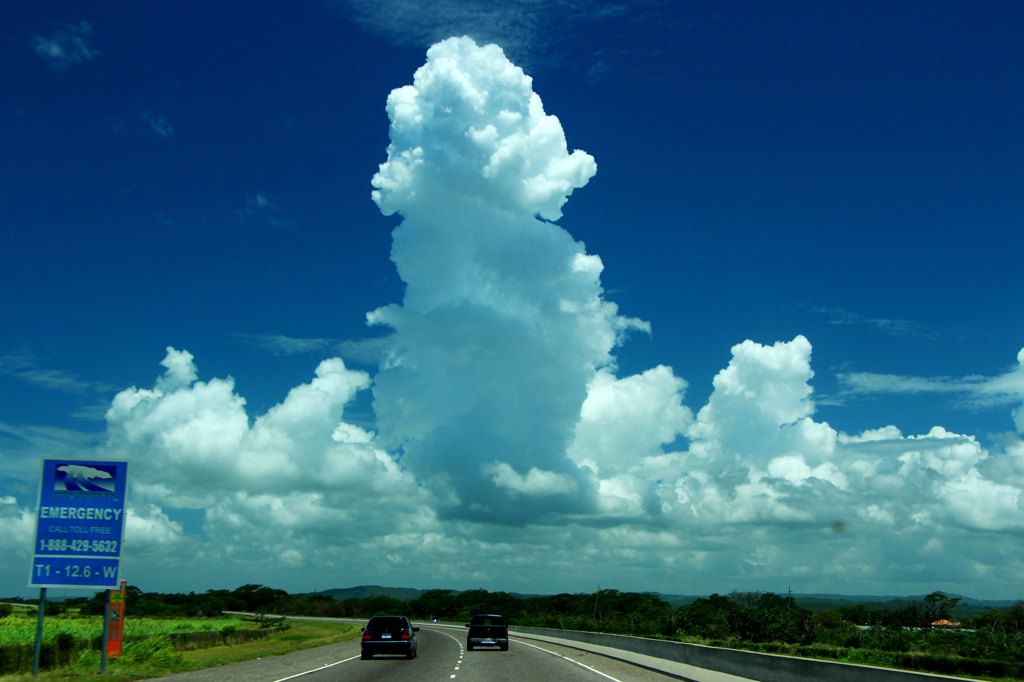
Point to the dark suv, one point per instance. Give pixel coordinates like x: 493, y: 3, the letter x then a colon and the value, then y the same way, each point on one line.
x: 487, y: 629
x: 389, y: 635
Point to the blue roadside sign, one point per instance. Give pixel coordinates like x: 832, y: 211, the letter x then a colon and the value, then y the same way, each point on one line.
x: 79, y: 524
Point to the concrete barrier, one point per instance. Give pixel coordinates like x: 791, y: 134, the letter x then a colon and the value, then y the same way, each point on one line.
x: 751, y: 665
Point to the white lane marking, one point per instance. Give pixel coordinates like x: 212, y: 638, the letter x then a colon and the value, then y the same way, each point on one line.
x: 457, y: 663
x: 329, y: 665
x: 582, y: 665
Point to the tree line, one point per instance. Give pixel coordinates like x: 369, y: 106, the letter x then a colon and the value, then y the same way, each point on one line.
x: 212, y: 603
x: 750, y: 616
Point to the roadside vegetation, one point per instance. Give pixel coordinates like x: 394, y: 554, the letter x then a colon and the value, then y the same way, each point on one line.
x: 155, y: 644
x: 176, y: 632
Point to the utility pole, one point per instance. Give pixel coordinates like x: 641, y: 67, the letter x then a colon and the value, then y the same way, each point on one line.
x: 596, y: 595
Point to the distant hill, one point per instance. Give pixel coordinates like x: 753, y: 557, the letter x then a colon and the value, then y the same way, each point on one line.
x: 831, y: 601
x: 367, y: 591
x: 968, y: 606
x: 402, y: 593
x: 676, y: 599
x: 821, y: 602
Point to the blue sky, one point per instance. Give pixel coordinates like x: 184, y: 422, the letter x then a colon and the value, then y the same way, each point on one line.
x: 772, y: 291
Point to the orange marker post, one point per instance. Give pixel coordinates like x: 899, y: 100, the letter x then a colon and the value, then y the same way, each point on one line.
x: 116, y: 632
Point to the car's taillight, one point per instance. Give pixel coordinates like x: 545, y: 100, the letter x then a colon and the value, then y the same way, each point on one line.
x: 366, y: 634
x: 405, y: 634
x: 506, y: 631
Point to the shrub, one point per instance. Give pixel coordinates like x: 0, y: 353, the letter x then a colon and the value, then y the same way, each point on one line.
x: 157, y: 649
x: 65, y: 641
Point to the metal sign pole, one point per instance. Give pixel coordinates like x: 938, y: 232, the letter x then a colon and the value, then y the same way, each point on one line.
x: 106, y: 632
x: 39, y: 631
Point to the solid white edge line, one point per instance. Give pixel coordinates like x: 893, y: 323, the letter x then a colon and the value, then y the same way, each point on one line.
x: 582, y: 665
x: 323, y: 667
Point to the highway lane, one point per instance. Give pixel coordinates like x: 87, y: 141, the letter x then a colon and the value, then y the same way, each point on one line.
x: 442, y: 657
x: 438, y: 658
x: 529, y: 659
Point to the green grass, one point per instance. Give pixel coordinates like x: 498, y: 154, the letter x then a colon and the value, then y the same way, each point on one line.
x: 304, y: 634
x: 155, y: 657
x: 20, y: 629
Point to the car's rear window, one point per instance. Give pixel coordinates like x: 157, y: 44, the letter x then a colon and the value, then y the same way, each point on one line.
x: 386, y: 623
x: 488, y: 620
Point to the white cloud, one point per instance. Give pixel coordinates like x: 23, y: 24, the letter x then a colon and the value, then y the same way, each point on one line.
x: 67, y: 46
x: 259, y: 209
x: 25, y: 367
x: 368, y: 351
x: 976, y: 390
x: 17, y: 525
x: 21, y: 443
x: 521, y: 26
x: 149, y: 530
x: 504, y: 323
x: 623, y: 421
x: 158, y: 124
x: 761, y: 404
x: 535, y: 482
x: 203, y: 434
x: 533, y: 32
x: 279, y: 344
x: 1008, y: 468
x: 297, y: 476
x: 472, y: 129
x: 887, y: 326
x: 867, y: 382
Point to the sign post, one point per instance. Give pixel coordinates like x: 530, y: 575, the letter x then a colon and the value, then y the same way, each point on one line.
x: 39, y: 632
x: 79, y: 527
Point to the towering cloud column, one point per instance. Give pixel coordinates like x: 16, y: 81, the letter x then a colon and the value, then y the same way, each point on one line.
x: 503, y: 324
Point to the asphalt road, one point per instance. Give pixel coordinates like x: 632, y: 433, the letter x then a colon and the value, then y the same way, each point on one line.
x: 442, y: 657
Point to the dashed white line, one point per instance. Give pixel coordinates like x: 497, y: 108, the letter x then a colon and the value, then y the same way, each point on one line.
x: 461, y: 652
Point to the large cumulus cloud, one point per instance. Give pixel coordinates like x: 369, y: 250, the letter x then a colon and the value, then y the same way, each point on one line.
x: 504, y: 323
